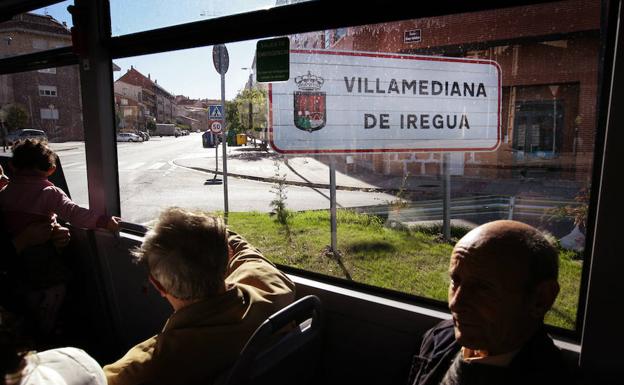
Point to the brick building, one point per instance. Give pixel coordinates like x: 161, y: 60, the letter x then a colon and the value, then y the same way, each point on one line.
x: 158, y: 102
x: 50, y: 97
x: 195, y: 109
x: 549, y: 55
x: 132, y: 113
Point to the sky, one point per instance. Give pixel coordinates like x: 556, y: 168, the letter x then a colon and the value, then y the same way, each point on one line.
x: 185, y: 72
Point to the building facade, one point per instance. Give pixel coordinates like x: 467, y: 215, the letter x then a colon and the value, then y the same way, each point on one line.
x: 549, y: 85
x: 50, y: 97
x: 159, y: 103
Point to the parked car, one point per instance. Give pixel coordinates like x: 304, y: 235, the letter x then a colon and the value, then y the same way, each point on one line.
x: 25, y: 133
x: 128, y: 137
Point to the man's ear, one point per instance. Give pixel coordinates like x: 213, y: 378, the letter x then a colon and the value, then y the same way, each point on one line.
x: 157, y: 286
x: 544, y: 297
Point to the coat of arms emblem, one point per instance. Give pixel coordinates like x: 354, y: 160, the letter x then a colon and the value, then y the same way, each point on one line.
x: 309, y: 113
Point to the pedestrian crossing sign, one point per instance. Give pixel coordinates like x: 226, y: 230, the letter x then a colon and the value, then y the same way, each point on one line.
x: 215, y: 112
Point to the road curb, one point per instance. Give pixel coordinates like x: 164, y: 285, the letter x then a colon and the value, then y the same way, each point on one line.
x: 291, y: 182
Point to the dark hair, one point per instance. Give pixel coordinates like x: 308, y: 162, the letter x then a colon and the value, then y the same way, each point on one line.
x: 187, y: 253
x: 543, y: 258
x: 33, y: 154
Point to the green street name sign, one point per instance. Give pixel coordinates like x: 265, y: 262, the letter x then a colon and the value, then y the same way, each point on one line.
x: 272, y: 60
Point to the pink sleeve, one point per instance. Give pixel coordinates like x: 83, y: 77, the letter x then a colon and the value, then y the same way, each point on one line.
x: 60, y: 204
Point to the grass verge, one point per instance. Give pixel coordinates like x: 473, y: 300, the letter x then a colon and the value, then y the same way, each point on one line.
x: 410, y: 261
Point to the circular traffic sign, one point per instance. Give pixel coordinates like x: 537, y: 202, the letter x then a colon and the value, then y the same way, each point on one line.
x: 220, y: 58
x: 216, y: 127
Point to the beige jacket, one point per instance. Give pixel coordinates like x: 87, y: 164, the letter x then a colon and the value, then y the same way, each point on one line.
x: 200, y: 341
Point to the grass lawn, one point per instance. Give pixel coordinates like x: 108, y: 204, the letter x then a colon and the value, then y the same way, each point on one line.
x: 404, y: 260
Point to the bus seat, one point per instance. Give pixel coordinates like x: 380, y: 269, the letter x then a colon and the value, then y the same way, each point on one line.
x: 278, y: 358
x: 58, y: 178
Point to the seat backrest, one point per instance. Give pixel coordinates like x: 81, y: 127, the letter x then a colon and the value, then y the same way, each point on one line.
x: 285, y: 349
x: 58, y: 178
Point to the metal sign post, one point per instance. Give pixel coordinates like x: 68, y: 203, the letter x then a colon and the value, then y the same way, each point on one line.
x: 332, y: 205
x: 446, y: 196
x: 216, y: 128
x: 221, y: 62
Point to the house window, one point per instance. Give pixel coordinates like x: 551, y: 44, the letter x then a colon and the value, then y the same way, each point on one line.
x: 49, y: 113
x: 537, y: 129
x: 338, y: 34
x: 47, y: 91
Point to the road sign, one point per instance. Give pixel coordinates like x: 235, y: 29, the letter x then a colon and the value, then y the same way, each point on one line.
x: 215, y: 112
x: 345, y: 102
x: 272, y: 60
x: 412, y: 36
x: 220, y: 58
x: 216, y: 127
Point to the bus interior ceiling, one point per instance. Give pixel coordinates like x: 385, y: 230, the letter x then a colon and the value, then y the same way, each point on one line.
x: 369, y: 335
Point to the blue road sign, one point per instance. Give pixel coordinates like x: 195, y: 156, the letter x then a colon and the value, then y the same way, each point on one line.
x: 215, y: 112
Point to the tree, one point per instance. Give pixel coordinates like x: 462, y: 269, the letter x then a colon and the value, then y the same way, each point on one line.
x: 15, y: 116
x: 151, y: 125
x: 118, y: 119
x: 252, y: 104
x: 232, y: 117
x: 248, y: 110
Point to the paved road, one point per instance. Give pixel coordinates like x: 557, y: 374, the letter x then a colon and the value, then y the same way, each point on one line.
x: 150, y: 180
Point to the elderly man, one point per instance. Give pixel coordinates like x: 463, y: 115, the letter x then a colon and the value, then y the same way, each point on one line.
x: 221, y: 289
x: 503, y: 280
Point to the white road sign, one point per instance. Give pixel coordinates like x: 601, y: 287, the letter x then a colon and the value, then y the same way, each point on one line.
x: 342, y: 102
x: 216, y: 127
x: 215, y: 111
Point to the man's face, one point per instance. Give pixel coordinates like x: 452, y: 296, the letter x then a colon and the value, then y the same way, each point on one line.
x: 488, y: 295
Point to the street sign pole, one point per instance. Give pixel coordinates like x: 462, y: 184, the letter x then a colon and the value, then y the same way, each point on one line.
x: 332, y: 206
x: 216, y: 144
x: 215, y: 128
x: 224, y: 144
x: 446, y: 198
x: 221, y: 61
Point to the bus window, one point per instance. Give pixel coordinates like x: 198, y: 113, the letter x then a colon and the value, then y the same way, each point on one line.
x: 504, y: 118
x: 124, y: 21
x: 40, y: 30
x: 46, y: 104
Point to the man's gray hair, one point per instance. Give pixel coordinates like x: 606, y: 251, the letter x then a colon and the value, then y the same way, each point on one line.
x: 187, y: 253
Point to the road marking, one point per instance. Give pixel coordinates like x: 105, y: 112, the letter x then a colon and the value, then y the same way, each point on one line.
x: 70, y: 164
x: 156, y: 165
x: 63, y: 154
x: 134, y: 166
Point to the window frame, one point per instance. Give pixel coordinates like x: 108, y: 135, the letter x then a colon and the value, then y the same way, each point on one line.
x: 277, y: 22
x: 52, y: 90
x: 262, y: 24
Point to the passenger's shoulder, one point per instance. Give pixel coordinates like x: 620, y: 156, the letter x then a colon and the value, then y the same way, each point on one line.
x: 443, y: 329
x: 438, y: 338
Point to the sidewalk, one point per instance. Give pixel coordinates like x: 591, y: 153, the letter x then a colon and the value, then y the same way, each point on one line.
x: 255, y: 164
